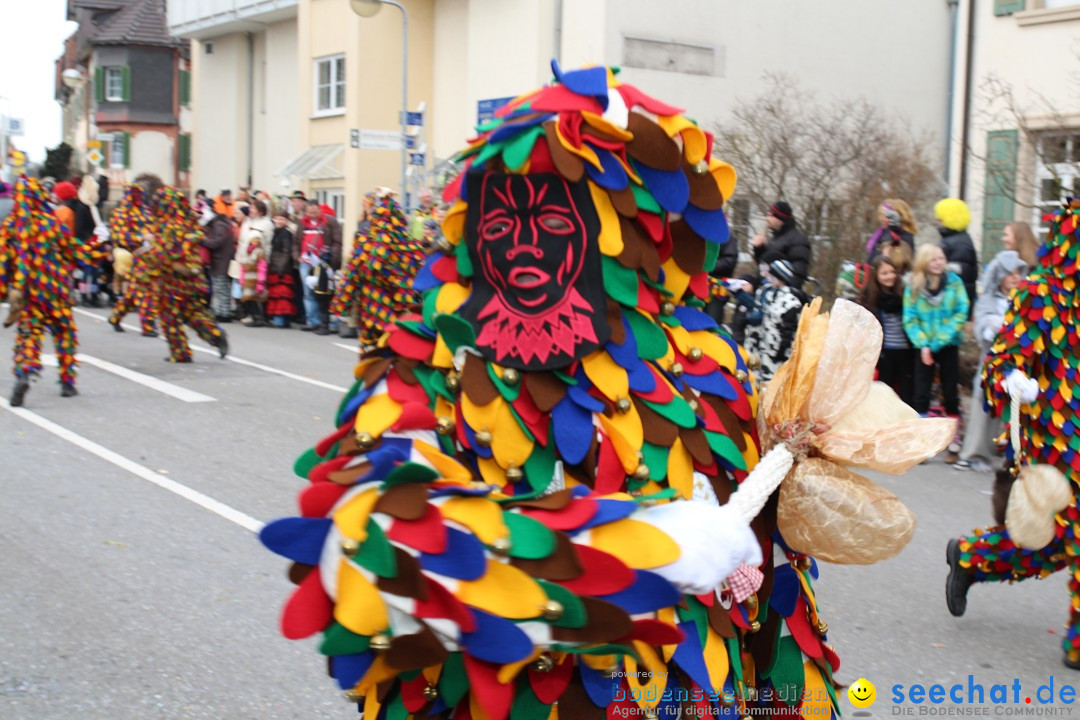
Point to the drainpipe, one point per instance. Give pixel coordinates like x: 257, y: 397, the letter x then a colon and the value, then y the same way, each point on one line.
x: 969, y: 63
x: 251, y: 109
x: 953, y: 19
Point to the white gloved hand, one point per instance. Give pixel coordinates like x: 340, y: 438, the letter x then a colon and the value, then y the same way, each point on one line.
x: 1020, y: 385
x: 713, y: 541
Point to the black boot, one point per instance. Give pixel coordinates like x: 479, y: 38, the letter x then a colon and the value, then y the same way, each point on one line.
x: 22, y: 385
x: 68, y: 390
x: 958, y: 582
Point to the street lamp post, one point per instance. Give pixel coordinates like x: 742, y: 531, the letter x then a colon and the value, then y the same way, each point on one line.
x: 369, y: 8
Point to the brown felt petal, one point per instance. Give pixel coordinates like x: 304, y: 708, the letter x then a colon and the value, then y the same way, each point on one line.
x: 658, y: 430
x: 728, y: 418
x: 651, y: 145
x: 695, y: 441
x: 349, y: 476
x: 416, y: 651
x: 299, y: 571
x: 374, y: 372
x: 406, y: 370
x: 545, y: 389
x: 688, y: 248
x: 407, y: 501
x: 575, y: 703
x: 614, y: 318
x: 704, y: 190
x: 606, y: 622
x: 624, y: 202
x: 569, y: 165
x: 561, y: 564
x: 555, y: 501
x: 409, y: 581
x: 645, y: 255
x: 476, y: 382
x: 720, y: 621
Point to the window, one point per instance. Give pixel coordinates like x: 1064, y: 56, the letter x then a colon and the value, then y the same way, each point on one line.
x: 330, y: 85
x: 335, y: 198
x: 1057, y: 173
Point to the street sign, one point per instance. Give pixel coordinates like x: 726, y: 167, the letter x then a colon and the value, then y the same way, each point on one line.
x: 354, y: 139
x: 485, y: 109
x: 416, y: 158
x: 414, y: 118
x: 15, y: 126
x: 380, y: 139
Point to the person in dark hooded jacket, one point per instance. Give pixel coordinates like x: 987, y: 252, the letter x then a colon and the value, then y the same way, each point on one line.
x: 953, y: 217
x: 787, y: 243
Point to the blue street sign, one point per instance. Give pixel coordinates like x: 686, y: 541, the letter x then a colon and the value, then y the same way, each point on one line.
x: 414, y: 118
x: 416, y: 158
x: 485, y: 109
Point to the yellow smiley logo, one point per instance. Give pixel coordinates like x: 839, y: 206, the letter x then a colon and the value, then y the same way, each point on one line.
x: 862, y: 693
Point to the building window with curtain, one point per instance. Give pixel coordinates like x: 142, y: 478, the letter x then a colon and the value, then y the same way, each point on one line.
x: 330, y: 85
x: 1057, y: 173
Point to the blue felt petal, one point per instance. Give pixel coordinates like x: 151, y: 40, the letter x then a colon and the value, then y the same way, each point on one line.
x: 297, y: 538
x: 613, y: 176
x: 425, y: 279
x: 583, y: 399
x: 649, y: 592
x: 670, y: 188
x: 690, y: 656
x: 353, y: 405
x: 496, y: 640
x: 591, y: 82
x: 348, y: 669
x: 484, y: 452
x: 573, y: 428
x: 641, y: 378
x: 709, y: 224
x: 715, y: 383
x: 599, y: 687
x: 610, y: 511
x: 463, y: 558
x: 693, y: 319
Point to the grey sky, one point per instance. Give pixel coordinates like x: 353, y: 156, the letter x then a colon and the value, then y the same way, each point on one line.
x: 34, y: 33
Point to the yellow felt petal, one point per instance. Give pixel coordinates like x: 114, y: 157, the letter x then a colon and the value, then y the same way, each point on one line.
x: 441, y: 357
x: 716, y: 660
x: 446, y: 466
x: 675, y: 279
x: 638, y: 544
x: 611, y: 242
x: 598, y: 122
x: 377, y: 414
x: 451, y: 297
x: 629, y: 426
x: 352, y: 517
x: 680, y: 469
x: 626, y: 434
x: 608, y: 377
x: 725, y: 177
x: 453, y: 226
x: 509, y: 443
x: 480, y: 515
x: 647, y: 694
x: 359, y: 606
x: 816, y: 701
x: 504, y: 591
x: 584, y: 152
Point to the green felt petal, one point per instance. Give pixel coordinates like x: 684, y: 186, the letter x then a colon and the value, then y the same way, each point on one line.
x: 339, y: 641
x: 677, y: 411
x: 376, y: 554
x: 574, y: 615
x: 620, y: 283
x: 529, y: 539
x: 410, y: 472
x: 453, y: 681
x: 540, y: 467
x: 455, y: 331
x: 527, y: 706
x: 788, y: 674
x: 726, y: 448
x: 652, y: 343
x: 303, y: 465
x: 518, y: 149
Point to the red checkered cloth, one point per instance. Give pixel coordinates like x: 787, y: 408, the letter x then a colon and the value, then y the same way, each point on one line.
x: 745, y: 581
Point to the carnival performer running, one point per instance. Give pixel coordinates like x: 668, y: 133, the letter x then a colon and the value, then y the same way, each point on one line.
x: 377, y: 283
x: 129, y: 227
x: 1034, y: 357
x: 38, y: 255
x: 538, y: 488
x: 180, y: 289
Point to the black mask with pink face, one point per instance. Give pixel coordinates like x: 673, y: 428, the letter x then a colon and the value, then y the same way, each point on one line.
x: 537, y: 298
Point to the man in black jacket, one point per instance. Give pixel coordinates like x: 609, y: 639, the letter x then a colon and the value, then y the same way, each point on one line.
x: 787, y: 243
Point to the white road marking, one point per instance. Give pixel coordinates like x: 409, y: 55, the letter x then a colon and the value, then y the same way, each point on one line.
x: 233, y: 358
x: 180, y: 393
x: 204, y: 501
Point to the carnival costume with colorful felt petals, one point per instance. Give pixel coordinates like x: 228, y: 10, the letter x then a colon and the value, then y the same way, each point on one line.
x: 1039, y: 338
x: 38, y: 255
x: 376, y: 286
x: 128, y: 222
x: 538, y: 483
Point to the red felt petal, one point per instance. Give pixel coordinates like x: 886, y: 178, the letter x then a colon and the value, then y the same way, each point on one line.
x: 324, y: 445
x: 549, y: 686
x: 440, y: 603
x: 414, y: 416
x: 494, y: 697
x: 610, y: 474
x: 573, y: 515
x: 807, y: 640
x: 654, y: 632
x: 316, y: 500
x: 406, y: 344
x: 428, y: 534
x: 604, y: 574
x: 308, y: 611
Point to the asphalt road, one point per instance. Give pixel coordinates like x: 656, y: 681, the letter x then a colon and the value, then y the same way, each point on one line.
x: 120, y: 599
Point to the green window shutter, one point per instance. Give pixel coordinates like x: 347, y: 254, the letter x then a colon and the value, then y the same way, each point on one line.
x: 999, y: 202
x: 125, y: 72
x: 127, y: 148
x: 1008, y: 7
x: 185, y: 88
x: 184, y: 160
x: 99, y: 84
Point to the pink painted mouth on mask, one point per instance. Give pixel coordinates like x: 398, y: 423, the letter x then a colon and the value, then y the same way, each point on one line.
x: 527, y: 278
